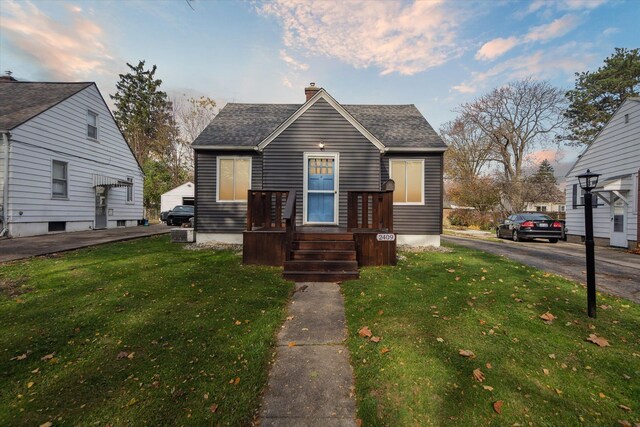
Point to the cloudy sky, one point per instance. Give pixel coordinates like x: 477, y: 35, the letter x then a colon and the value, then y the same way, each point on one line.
x: 434, y: 54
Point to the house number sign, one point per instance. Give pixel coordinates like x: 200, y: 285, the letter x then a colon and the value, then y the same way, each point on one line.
x: 385, y: 237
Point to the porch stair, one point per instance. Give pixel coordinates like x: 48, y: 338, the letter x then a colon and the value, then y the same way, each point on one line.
x: 322, y: 257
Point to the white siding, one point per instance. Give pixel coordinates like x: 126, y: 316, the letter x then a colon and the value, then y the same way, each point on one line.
x: 60, y: 133
x: 615, y: 152
x: 174, y: 197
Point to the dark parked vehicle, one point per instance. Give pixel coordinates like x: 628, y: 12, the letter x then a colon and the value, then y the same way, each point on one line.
x: 180, y: 215
x: 523, y: 226
x: 163, y: 216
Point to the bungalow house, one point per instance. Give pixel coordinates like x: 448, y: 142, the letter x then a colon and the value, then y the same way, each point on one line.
x: 337, y: 160
x: 615, y: 155
x: 64, y: 164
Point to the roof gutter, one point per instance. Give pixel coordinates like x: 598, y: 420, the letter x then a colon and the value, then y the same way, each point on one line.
x: 415, y: 149
x: 5, y: 183
x: 226, y: 148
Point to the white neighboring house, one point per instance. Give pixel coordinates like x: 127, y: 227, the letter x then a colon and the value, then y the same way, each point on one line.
x: 64, y: 164
x: 181, y: 195
x: 615, y: 154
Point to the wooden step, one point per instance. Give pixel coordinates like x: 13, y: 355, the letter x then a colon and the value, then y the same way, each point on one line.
x: 340, y: 245
x: 320, y: 276
x: 323, y: 255
x: 333, y: 266
x: 323, y: 236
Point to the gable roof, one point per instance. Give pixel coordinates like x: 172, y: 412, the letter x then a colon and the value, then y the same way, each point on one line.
x: 22, y: 101
x: 629, y: 99
x: 254, y: 126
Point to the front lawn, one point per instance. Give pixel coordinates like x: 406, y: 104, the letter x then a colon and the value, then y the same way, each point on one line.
x: 432, y: 305
x: 142, y: 332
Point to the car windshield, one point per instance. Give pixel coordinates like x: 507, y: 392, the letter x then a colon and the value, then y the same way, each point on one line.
x: 183, y: 209
x: 535, y: 217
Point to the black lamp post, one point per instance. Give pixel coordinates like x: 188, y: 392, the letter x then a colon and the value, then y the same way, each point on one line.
x: 588, y: 181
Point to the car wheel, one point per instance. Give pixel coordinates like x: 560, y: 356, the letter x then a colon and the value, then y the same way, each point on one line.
x: 553, y: 240
x: 515, y: 236
x: 169, y: 222
x: 498, y: 233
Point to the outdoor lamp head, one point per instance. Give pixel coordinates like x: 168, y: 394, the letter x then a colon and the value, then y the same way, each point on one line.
x: 321, y: 145
x: 588, y: 180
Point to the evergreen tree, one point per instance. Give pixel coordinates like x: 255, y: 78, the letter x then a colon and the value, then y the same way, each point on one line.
x: 542, y: 186
x: 598, y: 94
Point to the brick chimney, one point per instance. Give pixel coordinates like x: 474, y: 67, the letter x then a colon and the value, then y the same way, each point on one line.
x: 311, y: 90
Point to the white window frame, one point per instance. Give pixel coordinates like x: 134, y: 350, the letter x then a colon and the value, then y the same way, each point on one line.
x: 336, y: 185
x: 97, y: 116
x: 421, y: 202
x: 66, y: 180
x: 234, y: 158
x: 130, y: 189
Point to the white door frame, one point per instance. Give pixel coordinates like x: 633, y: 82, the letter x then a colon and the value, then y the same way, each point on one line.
x: 336, y: 185
x: 619, y: 238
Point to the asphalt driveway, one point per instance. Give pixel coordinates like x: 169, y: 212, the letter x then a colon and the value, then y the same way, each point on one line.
x: 27, y: 247
x: 617, y: 271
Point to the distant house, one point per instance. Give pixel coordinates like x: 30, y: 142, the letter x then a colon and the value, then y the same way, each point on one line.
x: 545, y: 207
x: 323, y: 150
x: 64, y: 164
x: 181, y: 195
x: 615, y: 154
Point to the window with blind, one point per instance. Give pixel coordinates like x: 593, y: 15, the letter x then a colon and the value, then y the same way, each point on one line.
x: 234, y: 179
x: 59, y: 179
x: 92, y: 125
x: 408, y: 176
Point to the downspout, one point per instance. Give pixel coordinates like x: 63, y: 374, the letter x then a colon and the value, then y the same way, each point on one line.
x: 5, y: 185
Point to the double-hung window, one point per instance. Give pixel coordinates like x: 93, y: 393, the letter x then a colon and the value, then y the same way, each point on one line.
x: 408, y: 176
x: 92, y: 125
x: 130, y: 190
x: 59, y: 179
x: 234, y: 179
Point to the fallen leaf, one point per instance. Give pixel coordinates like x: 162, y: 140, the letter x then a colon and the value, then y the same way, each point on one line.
x: 624, y: 423
x: 440, y: 339
x: 133, y: 401
x: 466, y: 353
x: 482, y: 322
x: 487, y: 387
x: 130, y: 356
x: 291, y: 343
x: 478, y: 375
x: 375, y: 339
x: 206, y: 396
x: 497, y: 406
x: 365, y: 332
x: 602, y: 395
x: 451, y: 270
x: 47, y: 356
x: 123, y: 355
x: 384, y: 350
x: 380, y: 312
x: 548, y: 317
x: 47, y: 424
x: 238, y: 323
x: 290, y: 317
x: 236, y: 381
x: 624, y: 408
x: 30, y: 384
x: 358, y: 422
x: 545, y: 371
x: 488, y: 365
x: 35, y: 371
x: 598, y: 340
x: 21, y: 357
x: 213, y: 408
x: 552, y: 356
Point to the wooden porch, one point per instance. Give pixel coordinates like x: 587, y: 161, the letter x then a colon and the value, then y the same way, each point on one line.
x: 319, y: 254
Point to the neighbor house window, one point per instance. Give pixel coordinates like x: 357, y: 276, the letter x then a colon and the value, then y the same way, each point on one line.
x: 59, y: 179
x: 130, y: 190
x: 92, y: 125
x: 234, y: 179
x: 408, y: 176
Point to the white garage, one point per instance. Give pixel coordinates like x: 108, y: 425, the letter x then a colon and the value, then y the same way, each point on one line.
x: 181, y: 195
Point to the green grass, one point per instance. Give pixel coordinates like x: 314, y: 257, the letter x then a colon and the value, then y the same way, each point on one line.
x: 174, y: 310
x: 425, y: 316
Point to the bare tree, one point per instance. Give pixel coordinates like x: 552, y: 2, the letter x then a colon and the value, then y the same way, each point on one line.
x: 516, y: 118
x: 192, y: 117
x: 469, y: 148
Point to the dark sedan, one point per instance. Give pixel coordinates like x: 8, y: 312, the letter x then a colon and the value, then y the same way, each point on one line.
x: 524, y: 226
x: 180, y: 214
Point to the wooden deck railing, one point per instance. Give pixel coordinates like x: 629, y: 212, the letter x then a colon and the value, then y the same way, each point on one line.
x: 264, y: 209
x: 370, y: 210
x: 290, y: 222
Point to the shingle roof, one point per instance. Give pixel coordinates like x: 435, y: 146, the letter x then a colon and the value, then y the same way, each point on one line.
x: 246, y: 125
x: 21, y: 101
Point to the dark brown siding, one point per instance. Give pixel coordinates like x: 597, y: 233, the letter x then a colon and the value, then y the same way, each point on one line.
x: 359, y: 158
x: 212, y: 217
x: 425, y: 219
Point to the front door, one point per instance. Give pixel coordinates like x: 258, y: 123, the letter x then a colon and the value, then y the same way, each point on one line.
x: 321, y: 188
x: 618, y: 222
x: 101, y: 208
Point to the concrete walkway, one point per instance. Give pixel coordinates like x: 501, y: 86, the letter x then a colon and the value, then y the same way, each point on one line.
x: 311, y: 380
x: 27, y: 247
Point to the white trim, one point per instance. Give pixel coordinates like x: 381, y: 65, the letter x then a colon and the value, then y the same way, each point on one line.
x: 230, y: 238
x: 634, y: 193
x: 418, y: 239
x: 415, y: 150
x: 133, y: 193
x: 97, y: 126
x: 336, y: 185
x: 66, y: 179
x: 322, y: 94
x: 218, y: 158
x: 226, y: 147
x: 421, y: 203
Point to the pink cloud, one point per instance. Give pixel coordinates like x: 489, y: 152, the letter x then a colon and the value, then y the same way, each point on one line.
x: 552, y: 156
x: 557, y: 28
x: 495, y: 48
x: 72, y: 50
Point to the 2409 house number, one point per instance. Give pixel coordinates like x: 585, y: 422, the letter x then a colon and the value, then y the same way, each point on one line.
x: 385, y: 237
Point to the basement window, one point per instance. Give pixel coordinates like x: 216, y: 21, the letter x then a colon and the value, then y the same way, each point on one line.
x: 121, y: 223
x: 57, y: 226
